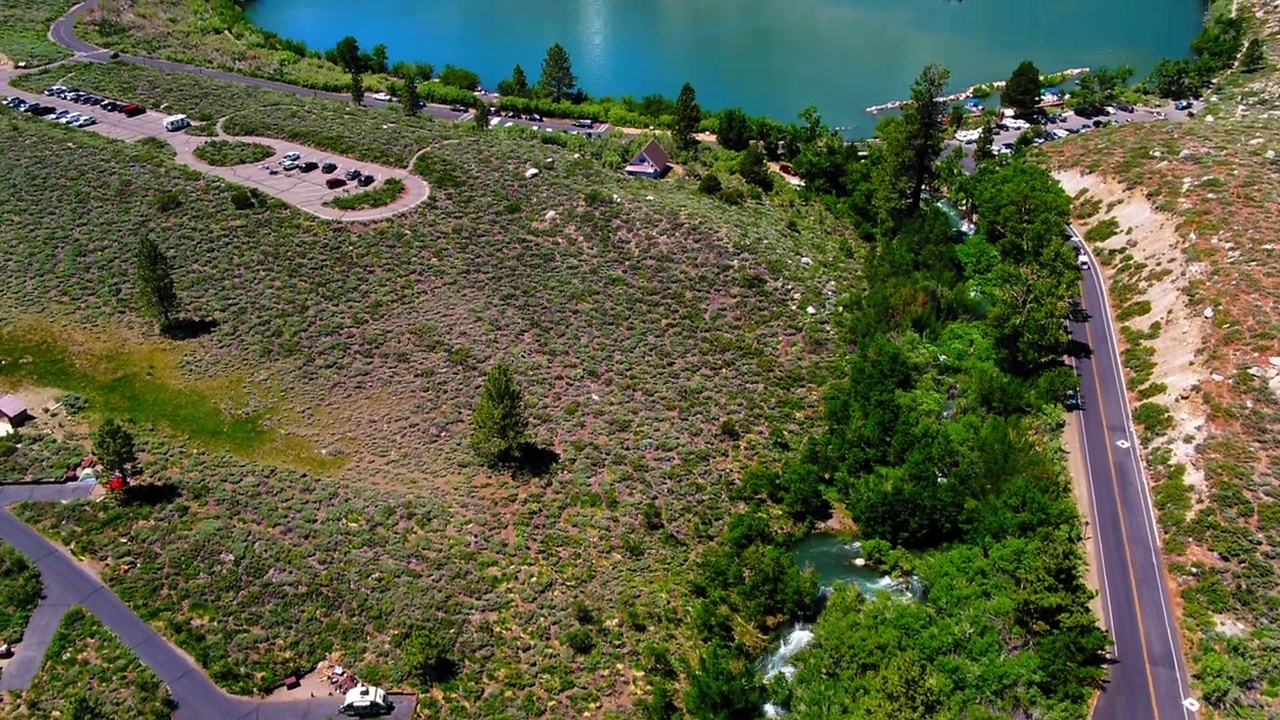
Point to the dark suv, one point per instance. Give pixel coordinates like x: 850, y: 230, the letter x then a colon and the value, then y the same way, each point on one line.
x: 308, y: 166
x: 328, y: 168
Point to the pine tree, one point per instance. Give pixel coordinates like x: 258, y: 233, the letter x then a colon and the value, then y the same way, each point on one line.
x: 357, y: 88
x: 114, y: 447
x: 499, y: 424
x: 156, y: 293
x: 985, y: 148
x: 688, y: 115
x: 1022, y: 90
x: 519, y: 82
x: 557, y: 73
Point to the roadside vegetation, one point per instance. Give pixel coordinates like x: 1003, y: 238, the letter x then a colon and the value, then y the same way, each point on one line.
x: 1210, y: 448
x: 89, y: 673
x: 20, y: 591
x: 225, y: 153
x: 388, y: 192
x: 30, y: 456
x: 24, y: 31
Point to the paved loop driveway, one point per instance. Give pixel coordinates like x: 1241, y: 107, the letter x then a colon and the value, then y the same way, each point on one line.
x: 68, y: 583
x: 306, y: 191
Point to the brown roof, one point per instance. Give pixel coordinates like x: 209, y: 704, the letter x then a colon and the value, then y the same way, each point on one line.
x: 655, y: 153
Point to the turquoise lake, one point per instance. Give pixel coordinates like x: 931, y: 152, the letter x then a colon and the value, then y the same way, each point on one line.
x: 771, y: 57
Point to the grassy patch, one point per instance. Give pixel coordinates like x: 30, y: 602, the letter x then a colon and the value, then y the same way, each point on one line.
x: 86, y: 662
x: 225, y: 153
x: 381, y: 196
x: 24, y: 31
x: 20, y: 591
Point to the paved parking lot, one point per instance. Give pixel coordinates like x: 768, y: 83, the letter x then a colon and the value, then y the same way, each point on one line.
x: 306, y: 191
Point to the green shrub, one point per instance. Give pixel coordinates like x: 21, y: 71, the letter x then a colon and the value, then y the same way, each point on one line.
x: 710, y: 184
x: 1134, y: 310
x: 20, y: 590
x: 1101, y: 232
x: 226, y: 153
x: 381, y: 196
x: 1153, y: 417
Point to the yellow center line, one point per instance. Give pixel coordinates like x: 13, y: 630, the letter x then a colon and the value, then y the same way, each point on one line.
x: 1124, y: 535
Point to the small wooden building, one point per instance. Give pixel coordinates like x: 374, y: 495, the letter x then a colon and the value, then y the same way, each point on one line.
x: 651, y: 162
x: 12, y: 413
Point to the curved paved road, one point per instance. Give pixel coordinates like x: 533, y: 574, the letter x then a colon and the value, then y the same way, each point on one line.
x: 68, y: 583
x: 1149, y: 680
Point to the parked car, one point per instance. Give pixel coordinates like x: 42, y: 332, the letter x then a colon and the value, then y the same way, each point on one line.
x: 382, y: 97
x: 309, y: 166
x: 133, y: 110
x: 53, y: 90
x: 353, y: 175
x: 87, y: 121
x: 61, y: 114
x: 334, y: 183
x: 513, y: 114
x: 72, y: 118
x: 366, y: 180
x: 293, y: 156
x: 288, y: 165
x: 30, y: 108
x: 1084, y: 263
x: 584, y: 123
x: 533, y: 117
x: 458, y: 108
x: 1124, y: 107
x: 1182, y: 105
x: 110, y: 105
x: 43, y: 110
x: 328, y: 168
x: 1073, y: 400
x: 94, y: 100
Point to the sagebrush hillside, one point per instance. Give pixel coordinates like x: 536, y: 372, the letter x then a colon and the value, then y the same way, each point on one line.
x: 662, y: 338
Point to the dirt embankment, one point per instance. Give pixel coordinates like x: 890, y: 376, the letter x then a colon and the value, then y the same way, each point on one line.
x: 1160, y: 269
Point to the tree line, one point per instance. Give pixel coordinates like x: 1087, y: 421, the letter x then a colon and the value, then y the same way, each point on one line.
x: 938, y: 436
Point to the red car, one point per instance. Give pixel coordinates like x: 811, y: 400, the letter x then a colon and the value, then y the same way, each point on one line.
x: 334, y: 183
x: 133, y: 110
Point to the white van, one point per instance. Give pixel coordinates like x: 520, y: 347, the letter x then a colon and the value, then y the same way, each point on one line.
x: 175, y: 123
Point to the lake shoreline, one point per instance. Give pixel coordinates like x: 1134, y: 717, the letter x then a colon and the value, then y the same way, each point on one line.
x: 606, y: 63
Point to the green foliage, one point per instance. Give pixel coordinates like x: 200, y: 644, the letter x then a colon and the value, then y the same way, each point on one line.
x: 734, y: 131
x: 1100, y: 86
x: 89, y: 674
x: 1254, y: 57
x: 356, y: 86
x: 20, y: 590
x: 152, y: 272
x: 751, y: 168
x: 723, y: 687
x: 500, y: 426
x: 710, y: 184
x: 24, y: 31
x: 1135, y: 309
x: 688, y: 116
x: 427, y: 654
x: 557, y: 79
x: 1102, y: 231
x: 226, y: 153
x: 912, y: 145
x: 515, y: 86
x: 1154, y: 418
x: 1022, y: 89
x: 460, y: 78
x: 1214, y: 50
x: 388, y: 192
x: 114, y: 447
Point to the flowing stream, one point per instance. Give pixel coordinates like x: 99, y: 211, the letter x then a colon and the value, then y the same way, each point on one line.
x: 836, y: 561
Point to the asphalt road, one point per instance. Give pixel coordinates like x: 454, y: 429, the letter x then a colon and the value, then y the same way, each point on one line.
x: 68, y: 583
x: 63, y: 32
x: 1149, y: 679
